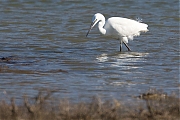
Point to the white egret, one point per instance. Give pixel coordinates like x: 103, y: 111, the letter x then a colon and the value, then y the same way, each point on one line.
x: 117, y: 27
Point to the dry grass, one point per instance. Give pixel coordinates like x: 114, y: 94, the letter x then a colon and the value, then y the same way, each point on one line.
x: 154, y: 106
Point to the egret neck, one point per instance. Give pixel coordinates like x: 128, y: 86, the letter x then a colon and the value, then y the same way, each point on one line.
x: 101, y: 25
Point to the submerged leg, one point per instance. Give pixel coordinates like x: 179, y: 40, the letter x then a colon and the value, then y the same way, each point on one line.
x: 120, y: 45
x: 127, y: 46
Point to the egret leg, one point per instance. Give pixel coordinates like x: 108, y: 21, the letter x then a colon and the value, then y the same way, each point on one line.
x: 129, y: 49
x: 120, y: 45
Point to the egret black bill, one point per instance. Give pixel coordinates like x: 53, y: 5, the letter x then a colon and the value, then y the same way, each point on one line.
x: 91, y: 26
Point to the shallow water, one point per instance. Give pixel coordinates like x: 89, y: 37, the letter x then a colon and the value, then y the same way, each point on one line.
x: 47, y: 49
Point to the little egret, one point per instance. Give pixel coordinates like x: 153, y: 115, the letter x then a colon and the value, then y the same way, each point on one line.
x: 117, y: 27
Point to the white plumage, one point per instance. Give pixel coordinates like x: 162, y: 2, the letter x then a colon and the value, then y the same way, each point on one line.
x: 118, y: 27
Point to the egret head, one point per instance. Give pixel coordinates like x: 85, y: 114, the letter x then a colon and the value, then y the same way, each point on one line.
x: 96, y: 18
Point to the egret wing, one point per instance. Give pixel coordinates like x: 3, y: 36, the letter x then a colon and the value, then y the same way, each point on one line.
x: 124, y: 27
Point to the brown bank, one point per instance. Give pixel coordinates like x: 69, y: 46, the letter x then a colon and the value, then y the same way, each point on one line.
x: 153, y: 106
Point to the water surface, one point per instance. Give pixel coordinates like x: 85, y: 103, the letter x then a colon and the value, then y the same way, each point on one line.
x: 47, y: 47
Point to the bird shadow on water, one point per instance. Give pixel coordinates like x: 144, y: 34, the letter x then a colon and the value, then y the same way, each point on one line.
x: 122, y: 57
